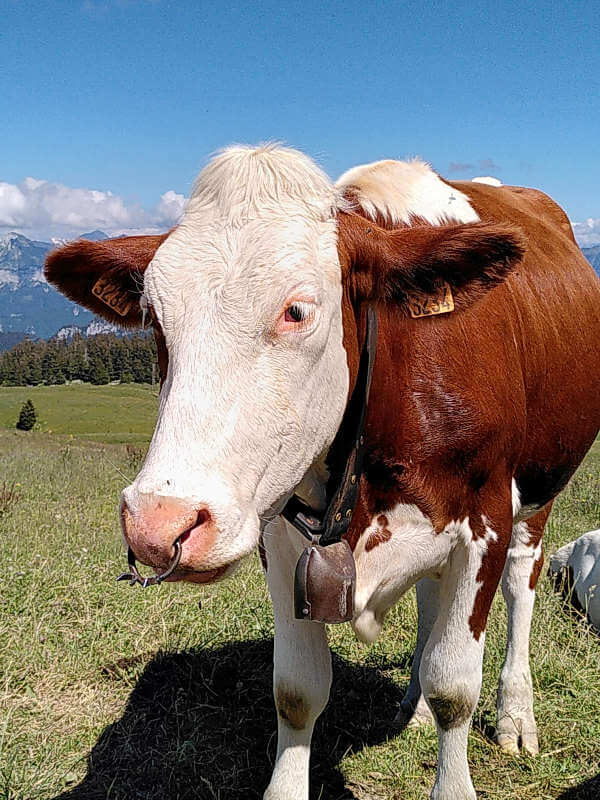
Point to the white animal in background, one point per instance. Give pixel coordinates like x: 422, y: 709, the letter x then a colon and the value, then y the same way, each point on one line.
x: 583, y: 557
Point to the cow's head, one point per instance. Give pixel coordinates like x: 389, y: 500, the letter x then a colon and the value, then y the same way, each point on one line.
x: 256, y: 300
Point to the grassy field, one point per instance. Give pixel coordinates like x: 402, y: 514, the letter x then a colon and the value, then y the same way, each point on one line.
x: 120, y: 413
x: 111, y: 692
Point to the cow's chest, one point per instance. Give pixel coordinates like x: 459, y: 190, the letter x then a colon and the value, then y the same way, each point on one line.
x: 396, y: 548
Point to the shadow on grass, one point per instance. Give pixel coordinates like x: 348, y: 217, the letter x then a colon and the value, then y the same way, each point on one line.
x: 589, y: 790
x: 201, y: 725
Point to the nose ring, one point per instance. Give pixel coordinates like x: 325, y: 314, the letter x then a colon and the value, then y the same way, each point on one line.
x: 133, y: 576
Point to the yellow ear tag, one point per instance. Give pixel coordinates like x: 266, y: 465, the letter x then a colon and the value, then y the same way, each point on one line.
x: 429, y: 305
x: 114, y: 296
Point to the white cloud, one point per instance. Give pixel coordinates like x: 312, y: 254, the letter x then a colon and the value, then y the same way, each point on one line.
x: 41, y: 209
x: 170, y: 208
x: 587, y: 233
x: 45, y: 210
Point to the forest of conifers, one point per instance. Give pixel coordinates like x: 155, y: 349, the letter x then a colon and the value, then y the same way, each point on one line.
x: 97, y: 359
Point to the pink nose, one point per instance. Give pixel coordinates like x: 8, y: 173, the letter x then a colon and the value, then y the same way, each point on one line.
x: 153, y: 527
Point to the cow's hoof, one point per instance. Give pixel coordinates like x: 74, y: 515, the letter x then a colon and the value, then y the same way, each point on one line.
x: 517, y: 733
x: 414, y: 717
x: 508, y: 743
x: 419, y: 719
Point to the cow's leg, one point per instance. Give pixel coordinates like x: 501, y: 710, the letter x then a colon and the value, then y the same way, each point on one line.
x: 413, y: 707
x: 302, y: 668
x: 516, y: 722
x: 450, y: 672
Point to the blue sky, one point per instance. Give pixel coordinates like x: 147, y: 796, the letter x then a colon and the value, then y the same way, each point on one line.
x: 132, y: 96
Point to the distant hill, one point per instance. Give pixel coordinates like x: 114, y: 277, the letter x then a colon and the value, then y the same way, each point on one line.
x: 96, y: 327
x: 593, y: 256
x: 8, y: 340
x: 31, y: 307
x: 94, y: 236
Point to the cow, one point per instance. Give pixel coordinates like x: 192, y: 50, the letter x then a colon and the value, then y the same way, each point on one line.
x: 484, y: 398
x: 581, y: 559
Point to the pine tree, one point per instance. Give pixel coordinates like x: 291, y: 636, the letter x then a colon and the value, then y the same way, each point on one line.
x: 97, y: 369
x: 77, y: 369
x: 27, y: 417
x: 34, y: 365
x: 51, y: 370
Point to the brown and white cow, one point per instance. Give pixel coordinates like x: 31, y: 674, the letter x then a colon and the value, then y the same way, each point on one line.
x: 477, y: 417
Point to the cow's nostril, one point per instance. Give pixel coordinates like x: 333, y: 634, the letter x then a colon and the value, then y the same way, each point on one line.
x: 202, y: 518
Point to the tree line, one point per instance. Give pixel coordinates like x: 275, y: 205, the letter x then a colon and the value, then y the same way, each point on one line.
x: 98, y: 359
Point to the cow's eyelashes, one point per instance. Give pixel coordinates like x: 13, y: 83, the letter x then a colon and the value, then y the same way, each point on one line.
x: 298, y: 312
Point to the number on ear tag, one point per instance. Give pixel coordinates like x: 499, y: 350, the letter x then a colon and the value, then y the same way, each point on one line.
x: 115, y: 297
x: 429, y: 305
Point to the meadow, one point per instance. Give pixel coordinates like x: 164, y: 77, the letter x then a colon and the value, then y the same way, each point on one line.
x: 110, y: 692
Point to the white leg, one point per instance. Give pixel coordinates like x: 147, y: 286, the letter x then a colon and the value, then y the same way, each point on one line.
x: 302, y: 668
x: 516, y: 721
x: 413, y: 706
x: 450, y: 672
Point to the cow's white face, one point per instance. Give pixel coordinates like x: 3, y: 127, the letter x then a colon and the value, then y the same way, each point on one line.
x: 247, y: 293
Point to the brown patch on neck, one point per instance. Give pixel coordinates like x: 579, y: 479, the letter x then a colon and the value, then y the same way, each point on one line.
x: 381, y: 535
x: 452, y: 395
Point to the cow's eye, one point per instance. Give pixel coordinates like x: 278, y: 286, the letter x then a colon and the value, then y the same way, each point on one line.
x: 297, y: 316
x: 297, y: 312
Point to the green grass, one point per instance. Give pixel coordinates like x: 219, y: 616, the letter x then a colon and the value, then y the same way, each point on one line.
x: 111, y: 692
x: 113, y: 413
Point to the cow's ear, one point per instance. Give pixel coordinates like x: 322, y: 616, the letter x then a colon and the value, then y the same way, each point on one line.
x: 426, y: 269
x: 105, y: 276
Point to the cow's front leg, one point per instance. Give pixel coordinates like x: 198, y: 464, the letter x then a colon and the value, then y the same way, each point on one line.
x: 450, y: 672
x: 302, y: 668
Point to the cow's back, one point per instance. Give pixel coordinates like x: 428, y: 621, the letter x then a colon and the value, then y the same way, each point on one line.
x: 513, y: 379
x: 554, y: 301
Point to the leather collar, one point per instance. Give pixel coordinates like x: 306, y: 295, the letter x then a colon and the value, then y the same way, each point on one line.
x: 329, y: 526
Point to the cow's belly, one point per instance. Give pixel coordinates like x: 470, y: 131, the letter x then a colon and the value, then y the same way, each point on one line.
x: 399, y: 547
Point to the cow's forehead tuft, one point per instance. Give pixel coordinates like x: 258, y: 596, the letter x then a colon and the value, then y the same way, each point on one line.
x: 241, y: 183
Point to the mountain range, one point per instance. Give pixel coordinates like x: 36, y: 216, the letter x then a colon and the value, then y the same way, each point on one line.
x: 28, y: 304
x: 31, y: 307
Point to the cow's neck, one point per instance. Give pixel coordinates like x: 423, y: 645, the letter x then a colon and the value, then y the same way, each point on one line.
x: 347, y: 450
x: 313, y: 487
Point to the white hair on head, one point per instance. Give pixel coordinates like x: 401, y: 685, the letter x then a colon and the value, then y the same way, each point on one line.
x: 242, y: 182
